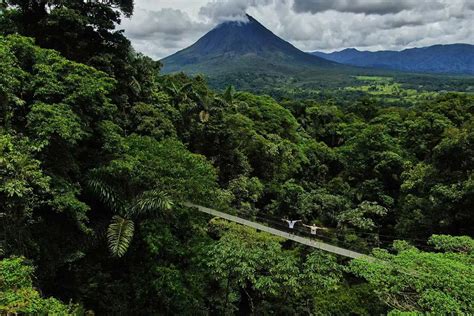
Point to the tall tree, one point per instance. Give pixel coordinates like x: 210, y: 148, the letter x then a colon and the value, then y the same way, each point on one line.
x: 412, y: 280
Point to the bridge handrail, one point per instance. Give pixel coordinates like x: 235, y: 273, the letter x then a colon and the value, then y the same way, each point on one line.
x: 302, y: 240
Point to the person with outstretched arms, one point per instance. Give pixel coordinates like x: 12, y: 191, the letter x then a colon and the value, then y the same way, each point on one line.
x: 291, y: 223
x: 314, y: 228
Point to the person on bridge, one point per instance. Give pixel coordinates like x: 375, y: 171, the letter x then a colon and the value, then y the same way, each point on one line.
x: 291, y: 224
x: 314, y: 228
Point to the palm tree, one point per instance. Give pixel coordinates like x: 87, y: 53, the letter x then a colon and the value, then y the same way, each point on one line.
x: 204, y: 102
x: 122, y: 227
x: 228, y: 99
x: 179, y: 94
x: 228, y: 95
x: 204, y: 105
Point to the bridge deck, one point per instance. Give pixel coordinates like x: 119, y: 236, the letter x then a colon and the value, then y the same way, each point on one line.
x: 302, y: 240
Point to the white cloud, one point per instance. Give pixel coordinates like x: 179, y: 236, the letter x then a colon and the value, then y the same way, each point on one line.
x: 162, y: 32
x: 162, y: 27
x: 230, y: 10
x: 148, y: 24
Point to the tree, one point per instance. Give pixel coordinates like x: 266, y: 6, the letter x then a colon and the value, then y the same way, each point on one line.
x: 80, y: 30
x: 86, y: 31
x: 374, y: 163
x: 445, y: 183
x: 146, y: 179
x: 18, y: 296
x: 50, y: 107
x: 24, y: 189
x: 255, y: 274
x: 424, y: 132
x: 121, y: 228
x: 246, y: 193
x: 358, y: 217
x: 425, y: 282
x: 323, y: 123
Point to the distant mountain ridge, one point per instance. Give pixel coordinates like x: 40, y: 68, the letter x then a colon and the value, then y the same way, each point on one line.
x: 250, y: 57
x: 451, y: 59
x: 242, y: 46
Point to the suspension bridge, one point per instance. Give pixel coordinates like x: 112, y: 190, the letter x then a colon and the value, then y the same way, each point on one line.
x: 299, y: 239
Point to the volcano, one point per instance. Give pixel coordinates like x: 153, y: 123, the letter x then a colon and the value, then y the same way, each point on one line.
x: 243, y: 47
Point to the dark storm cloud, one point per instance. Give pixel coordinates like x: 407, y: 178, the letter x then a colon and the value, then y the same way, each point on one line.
x: 401, y: 21
x: 380, y: 7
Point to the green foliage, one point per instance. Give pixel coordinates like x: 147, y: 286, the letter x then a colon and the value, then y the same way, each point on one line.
x: 149, y: 120
x: 268, y: 116
x: 23, y: 188
x: 424, y: 282
x: 169, y: 171
x: 166, y: 166
x: 246, y: 188
x: 18, y: 296
x: 322, y: 123
x: 47, y: 120
x: 63, y: 100
x: 119, y: 235
x: 89, y: 155
x: 358, y: 217
x: 358, y: 299
x: 253, y: 267
x: 150, y: 201
x: 452, y: 244
x: 81, y: 23
x: 21, y: 173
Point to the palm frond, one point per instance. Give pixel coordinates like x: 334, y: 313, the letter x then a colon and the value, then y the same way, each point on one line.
x: 135, y: 86
x: 204, y: 116
x: 186, y: 87
x: 151, y: 201
x: 119, y: 235
x: 229, y: 94
x: 105, y: 193
x: 171, y: 89
x: 220, y: 102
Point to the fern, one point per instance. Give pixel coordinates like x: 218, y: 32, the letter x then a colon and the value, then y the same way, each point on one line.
x: 119, y: 235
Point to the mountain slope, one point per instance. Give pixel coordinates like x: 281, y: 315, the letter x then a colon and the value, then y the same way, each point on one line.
x: 239, y: 46
x: 454, y: 58
x: 250, y: 57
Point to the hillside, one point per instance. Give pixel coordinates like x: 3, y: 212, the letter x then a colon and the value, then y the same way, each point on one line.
x: 236, y: 47
x: 112, y: 175
x: 237, y: 41
x: 452, y: 59
x: 250, y: 57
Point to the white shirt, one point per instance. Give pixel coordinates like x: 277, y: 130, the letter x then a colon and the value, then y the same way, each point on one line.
x: 291, y: 224
x: 314, y: 229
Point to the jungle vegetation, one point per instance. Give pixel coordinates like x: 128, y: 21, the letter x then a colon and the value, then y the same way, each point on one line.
x: 98, y: 152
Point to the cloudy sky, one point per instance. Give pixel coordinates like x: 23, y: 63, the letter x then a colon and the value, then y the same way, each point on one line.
x: 162, y: 27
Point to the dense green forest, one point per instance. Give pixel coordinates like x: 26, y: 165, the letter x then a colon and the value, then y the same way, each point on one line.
x: 98, y: 153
